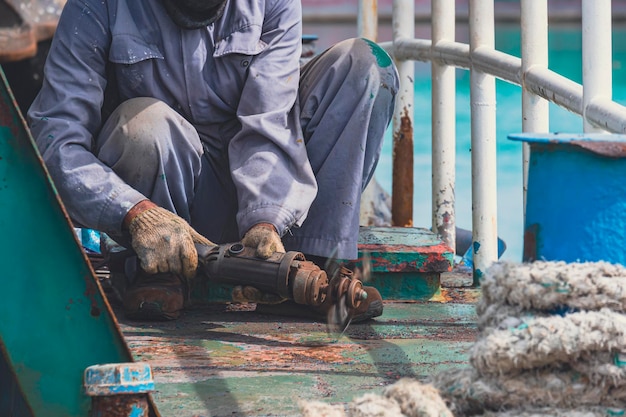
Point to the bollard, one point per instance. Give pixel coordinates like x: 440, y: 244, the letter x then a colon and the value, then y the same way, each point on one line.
x: 119, y: 389
x: 576, y: 197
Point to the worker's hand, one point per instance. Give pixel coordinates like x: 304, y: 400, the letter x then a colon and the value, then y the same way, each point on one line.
x: 247, y: 294
x: 264, y: 238
x: 164, y: 242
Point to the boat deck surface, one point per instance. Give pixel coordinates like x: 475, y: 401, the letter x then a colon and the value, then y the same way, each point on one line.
x: 229, y: 360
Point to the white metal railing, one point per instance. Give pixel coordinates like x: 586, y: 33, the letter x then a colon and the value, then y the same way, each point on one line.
x: 535, y: 116
x: 443, y: 125
x: 592, y: 100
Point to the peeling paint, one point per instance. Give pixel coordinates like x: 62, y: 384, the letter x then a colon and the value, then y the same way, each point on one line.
x: 382, y: 58
x: 530, y: 243
x: 90, y: 292
x: 476, y: 246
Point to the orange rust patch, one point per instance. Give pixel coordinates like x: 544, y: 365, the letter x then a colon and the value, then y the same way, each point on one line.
x: 402, y: 192
x: 325, y: 354
x: 166, y: 349
x: 240, y: 354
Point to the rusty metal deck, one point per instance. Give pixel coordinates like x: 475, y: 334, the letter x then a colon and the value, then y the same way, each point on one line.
x: 232, y: 361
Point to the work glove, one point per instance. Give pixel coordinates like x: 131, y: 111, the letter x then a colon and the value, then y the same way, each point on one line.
x: 164, y: 242
x: 264, y: 238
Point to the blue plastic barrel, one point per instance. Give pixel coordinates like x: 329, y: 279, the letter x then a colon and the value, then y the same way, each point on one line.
x: 576, y: 198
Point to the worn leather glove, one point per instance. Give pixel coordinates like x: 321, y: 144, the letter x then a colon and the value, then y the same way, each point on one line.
x: 265, y: 239
x: 163, y: 241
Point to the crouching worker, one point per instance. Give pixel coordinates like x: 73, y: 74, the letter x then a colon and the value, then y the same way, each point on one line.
x: 166, y: 123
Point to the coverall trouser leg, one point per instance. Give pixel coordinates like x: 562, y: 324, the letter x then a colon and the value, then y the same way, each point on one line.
x: 346, y: 100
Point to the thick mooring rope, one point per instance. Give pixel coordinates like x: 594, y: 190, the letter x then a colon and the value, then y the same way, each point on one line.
x: 546, y: 286
x: 407, y: 397
x: 473, y: 393
x: 552, y: 344
x: 549, y: 340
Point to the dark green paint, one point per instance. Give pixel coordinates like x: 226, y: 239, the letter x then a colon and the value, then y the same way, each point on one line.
x: 478, y: 276
x: 54, y: 322
x: 243, y: 363
x: 382, y: 58
x: 409, y: 286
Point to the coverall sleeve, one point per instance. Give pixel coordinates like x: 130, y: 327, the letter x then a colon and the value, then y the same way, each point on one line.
x: 66, y: 117
x: 268, y: 157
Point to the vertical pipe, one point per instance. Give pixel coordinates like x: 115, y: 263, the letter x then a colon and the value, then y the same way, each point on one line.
x: 402, y: 188
x: 367, y: 27
x: 535, y: 110
x: 597, y: 55
x: 443, y: 126
x: 367, y: 24
x: 483, y: 114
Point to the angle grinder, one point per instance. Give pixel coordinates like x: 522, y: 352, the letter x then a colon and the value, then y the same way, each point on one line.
x: 287, y: 275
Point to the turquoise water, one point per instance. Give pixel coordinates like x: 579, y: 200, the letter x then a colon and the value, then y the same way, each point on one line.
x: 564, y: 58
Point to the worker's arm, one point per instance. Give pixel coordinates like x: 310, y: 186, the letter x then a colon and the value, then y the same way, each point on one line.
x: 66, y: 117
x: 268, y: 157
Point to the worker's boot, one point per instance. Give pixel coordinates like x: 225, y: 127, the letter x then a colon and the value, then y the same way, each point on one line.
x: 370, y: 307
x: 141, y: 296
x: 154, y: 297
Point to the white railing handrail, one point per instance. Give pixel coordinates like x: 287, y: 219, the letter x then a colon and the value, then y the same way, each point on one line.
x: 561, y: 90
x: 541, y: 81
x: 593, y: 102
x: 443, y: 126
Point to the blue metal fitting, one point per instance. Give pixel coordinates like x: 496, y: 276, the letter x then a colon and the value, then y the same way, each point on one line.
x: 118, y: 378
x: 119, y: 389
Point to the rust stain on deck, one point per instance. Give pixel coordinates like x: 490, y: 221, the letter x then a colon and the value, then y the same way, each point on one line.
x: 218, y: 362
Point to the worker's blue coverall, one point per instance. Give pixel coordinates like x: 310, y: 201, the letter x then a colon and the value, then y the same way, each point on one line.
x: 218, y: 124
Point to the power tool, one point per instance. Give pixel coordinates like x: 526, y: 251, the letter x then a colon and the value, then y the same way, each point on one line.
x: 287, y: 275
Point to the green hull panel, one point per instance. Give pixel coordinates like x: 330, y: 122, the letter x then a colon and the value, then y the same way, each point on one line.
x: 54, y: 321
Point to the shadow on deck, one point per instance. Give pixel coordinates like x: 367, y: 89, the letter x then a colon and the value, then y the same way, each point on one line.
x: 228, y: 360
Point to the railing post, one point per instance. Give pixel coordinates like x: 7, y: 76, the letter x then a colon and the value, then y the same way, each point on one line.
x: 443, y: 126
x: 535, y: 110
x: 367, y: 23
x: 597, y: 55
x: 402, y: 187
x: 483, y: 114
x: 367, y: 27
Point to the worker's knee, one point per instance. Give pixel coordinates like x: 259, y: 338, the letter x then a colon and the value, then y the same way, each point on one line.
x: 145, y: 128
x: 367, y: 61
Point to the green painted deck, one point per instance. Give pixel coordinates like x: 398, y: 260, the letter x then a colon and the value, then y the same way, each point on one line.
x: 219, y: 359
x: 225, y: 360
